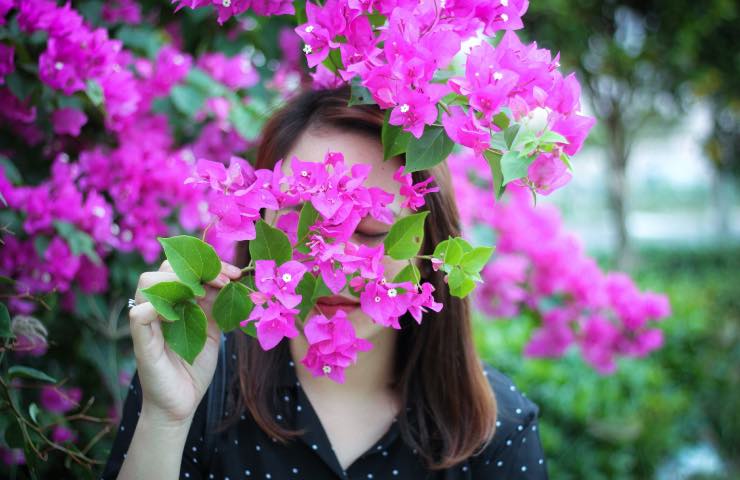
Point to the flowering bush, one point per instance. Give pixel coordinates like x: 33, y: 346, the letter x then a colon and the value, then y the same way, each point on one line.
x: 125, y: 127
x: 542, y: 269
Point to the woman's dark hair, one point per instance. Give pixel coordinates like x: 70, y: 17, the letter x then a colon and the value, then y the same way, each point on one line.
x: 437, y: 370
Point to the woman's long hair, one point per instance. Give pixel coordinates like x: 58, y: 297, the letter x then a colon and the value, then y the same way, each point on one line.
x: 437, y: 370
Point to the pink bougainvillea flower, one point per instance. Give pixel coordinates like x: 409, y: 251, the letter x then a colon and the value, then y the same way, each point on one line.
x: 333, y: 345
x: 413, y: 111
x: 273, y: 323
x: 466, y: 129
x: 383, y: 302
x: 68, y: 121
x: 60, y: 400
x: 62, y: 434
x: 422, y: 300
x: 548, y: 173
x: 413, y: 193
x: 322, y: 26
x: 235, y: 72
x: 121, y: 11
x: 280, y: 282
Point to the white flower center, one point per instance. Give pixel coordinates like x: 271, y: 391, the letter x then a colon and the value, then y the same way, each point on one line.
x: 498, y: 76
x: 504, y: 17
x: 287, y: 277
x: 309, y: 29
x: 504, y: 3
x: 315, y: 268
x: 377, y: 299
x: 59, y: 65
x: 404, y: 108
x: 99, y: 211
x: 392, y: 292
x: 226, y: 3
x: 326, y: 369
x: 307, y: 49
x: 304, y: 173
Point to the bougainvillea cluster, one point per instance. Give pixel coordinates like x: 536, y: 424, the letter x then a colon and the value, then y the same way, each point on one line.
x: 334, y: 199
x: 542, y: 268
x: 112, y: 139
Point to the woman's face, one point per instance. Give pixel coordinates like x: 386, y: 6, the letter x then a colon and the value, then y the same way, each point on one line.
x: 356, y: 148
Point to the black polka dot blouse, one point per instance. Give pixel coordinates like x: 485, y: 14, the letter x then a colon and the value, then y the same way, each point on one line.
x: 244, y: 451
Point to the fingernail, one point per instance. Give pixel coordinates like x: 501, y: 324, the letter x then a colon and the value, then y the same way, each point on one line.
x: 232, y: 270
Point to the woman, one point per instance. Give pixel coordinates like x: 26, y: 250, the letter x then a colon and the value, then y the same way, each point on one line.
x: 420, y: 404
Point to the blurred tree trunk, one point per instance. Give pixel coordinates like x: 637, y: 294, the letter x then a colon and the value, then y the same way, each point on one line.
x: 617, y: 156
x: 722, y: 203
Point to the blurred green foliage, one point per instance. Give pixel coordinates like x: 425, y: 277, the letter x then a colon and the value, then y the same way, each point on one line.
x: 626, y: 425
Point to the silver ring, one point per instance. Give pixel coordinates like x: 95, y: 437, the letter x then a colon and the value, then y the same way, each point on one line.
x: 131, y: 303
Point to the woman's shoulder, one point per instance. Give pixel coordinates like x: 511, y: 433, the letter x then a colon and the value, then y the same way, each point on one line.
x: 515, y: 450
x: 514, y: 410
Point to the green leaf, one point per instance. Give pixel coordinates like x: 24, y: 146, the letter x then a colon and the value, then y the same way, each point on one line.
x: 310, y: 288
x: 459, y: 283
x: 429, y: 150
x: 306, y: 220
x: 164, y: 297
x: 395, y: 138
x: 498, y: 141
x: 405, y: 236
x: 188, y: 100
x: 494, y: 161
x: 11, y: 172
x: 510, y: 135
x: 188, y: 336
x: 41, y: 244
x: 359, y: 95
x: 409, y: 273
x: 33, y: 412
x: 464, y: 245
x: 247, y: 125
x: 566, y: 160
x: 334, y: 63
x: 146, y: 39
x: 514, y: 166
x: 94, y: 92
x: 27, y: 372
x: 80, y: 243
x: 270, y: 244
x: 250, y: 329
x: 232, y: 305
x: 501, y: 120
x: 552, y: 137
x: 476, y: 259
x: 202, y: 81
x: 20, y: 85
x: 5, y: 331
x: 193, y: 260
x: 300, y: 11
x: 14, y: 435
x: 448, y: 251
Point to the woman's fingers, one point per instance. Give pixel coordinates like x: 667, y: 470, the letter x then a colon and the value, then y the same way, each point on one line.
x: 228, y: 272
x: 144, y: 326
x: 231, y: 271
x: 147, y: 279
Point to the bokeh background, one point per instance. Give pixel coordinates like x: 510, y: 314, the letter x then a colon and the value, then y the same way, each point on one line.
x: 655, y: 193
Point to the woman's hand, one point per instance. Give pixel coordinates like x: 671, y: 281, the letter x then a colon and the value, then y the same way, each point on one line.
x: 172, y: 388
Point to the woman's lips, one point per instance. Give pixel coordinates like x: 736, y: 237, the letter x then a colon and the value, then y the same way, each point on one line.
x: 329, y: 306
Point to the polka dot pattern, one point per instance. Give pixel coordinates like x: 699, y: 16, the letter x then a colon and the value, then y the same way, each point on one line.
x: 243, y: 450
